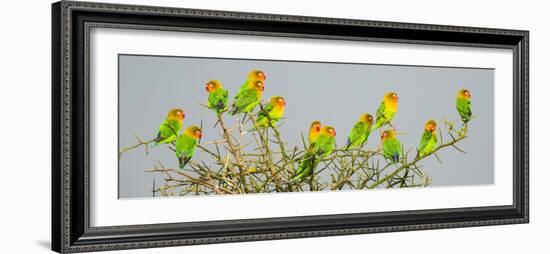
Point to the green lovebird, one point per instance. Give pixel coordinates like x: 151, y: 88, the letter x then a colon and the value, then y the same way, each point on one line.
x: 217, y: 97
x: 428, y: 142
x: 314, y: 131
x: 391, y: 146
x: 360, y: 132
x: 186, y: 143
x: 386, y: 110
x: 170, y: 127
x: 463, y: 105
x: 273, y: 111
x: 253, y: 75
x: 248, y: 97
x: 321, y: 148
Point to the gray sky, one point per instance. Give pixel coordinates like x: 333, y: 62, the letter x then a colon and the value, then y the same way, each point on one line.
x: 335, y: 94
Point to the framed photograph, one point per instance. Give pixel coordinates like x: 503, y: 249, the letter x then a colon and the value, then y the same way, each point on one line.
x: 181, y: 126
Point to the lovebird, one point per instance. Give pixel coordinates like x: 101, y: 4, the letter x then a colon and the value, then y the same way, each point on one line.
x: 428, y: 142
x: 391, y: 146
x: 360, y: 132
x: 248, y: 97
x: 321, y: 148
x: 314, y: 131
x: 217, y: 96
x: 256, y: 75
x: 463, y: 105
x: 273, y: 111
x: 186, y: 143
x: 386, y: 110
x: 253, y: 75
x: 170, y: 127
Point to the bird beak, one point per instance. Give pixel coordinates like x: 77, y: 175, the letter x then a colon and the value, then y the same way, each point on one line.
x: 207, y: 88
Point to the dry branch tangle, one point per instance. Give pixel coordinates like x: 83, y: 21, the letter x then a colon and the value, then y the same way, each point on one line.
x: 270, y: 169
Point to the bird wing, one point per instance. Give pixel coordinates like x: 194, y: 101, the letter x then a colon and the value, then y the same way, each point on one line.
x: 167, y: 129
x: 426, y: 137
x: 185, y: 146
x: 380, y: 115
x: 246, y: 98
x: 381, y: 110
x: 357, y: 132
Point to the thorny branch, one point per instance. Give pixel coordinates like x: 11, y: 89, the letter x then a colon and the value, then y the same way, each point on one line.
x: 258, y: 168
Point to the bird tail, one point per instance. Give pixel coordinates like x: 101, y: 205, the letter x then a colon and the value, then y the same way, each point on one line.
x: 395, y: 158
x: 305, y: 168
x: 348, y: 144
x: 183, y: 162
x: 220, y: 107
x: 233, y: 110
x: 153, y: 144
x: 378, y: 124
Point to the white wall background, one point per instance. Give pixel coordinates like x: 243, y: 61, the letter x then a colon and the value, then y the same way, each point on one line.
x: 25, y: 125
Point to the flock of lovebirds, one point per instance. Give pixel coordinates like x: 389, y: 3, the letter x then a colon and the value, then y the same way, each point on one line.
x: 321, y: 138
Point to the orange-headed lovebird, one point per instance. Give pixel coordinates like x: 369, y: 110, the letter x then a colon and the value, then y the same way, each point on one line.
x: 186, y: 143
x: 463, y: 105
x: 314, y: 130
x: 428, y: 142
x: 321, y: 148
x: 391, y: 146
x: 170, y: 127
x: 217, y: 96
x: 273, y: 111
x: 360, y: 132
x: 387, y: 109
x: 248, y: 97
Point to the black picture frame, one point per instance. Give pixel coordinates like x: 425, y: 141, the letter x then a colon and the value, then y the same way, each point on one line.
x: 71, y: 22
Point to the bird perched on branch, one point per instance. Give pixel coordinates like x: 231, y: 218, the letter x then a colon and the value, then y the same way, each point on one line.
x: 274, y: 110
x: 463, y: 105
x: 428, y: 142
x: 186, y: 143
x: 387, y: 109
x: 217, y: 96
x: 360, y: 132
x: 391, y: 146
x: 304, y: 169
x: 321, y: 148
x: 170, y: 127
x: 249, y: 94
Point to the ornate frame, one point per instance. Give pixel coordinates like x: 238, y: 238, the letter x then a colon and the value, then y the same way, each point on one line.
x: 71, y: 22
